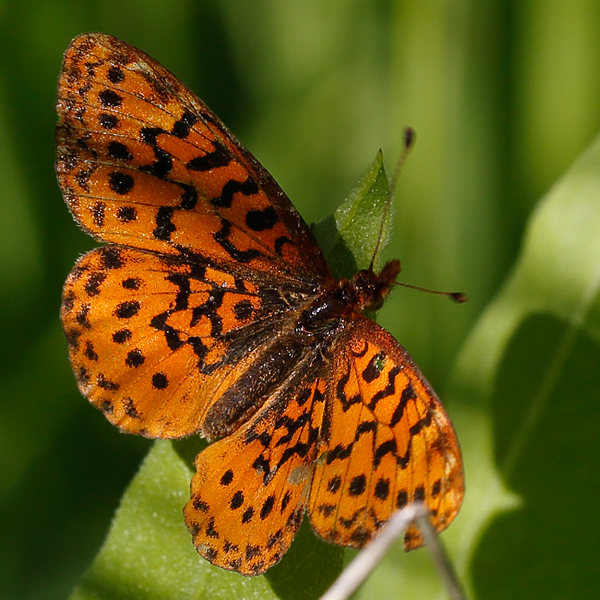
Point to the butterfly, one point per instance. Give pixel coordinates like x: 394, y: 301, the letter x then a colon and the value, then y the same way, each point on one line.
x: 211, y: 311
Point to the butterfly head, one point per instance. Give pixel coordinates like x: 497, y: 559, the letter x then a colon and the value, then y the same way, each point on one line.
x: 372, y: 288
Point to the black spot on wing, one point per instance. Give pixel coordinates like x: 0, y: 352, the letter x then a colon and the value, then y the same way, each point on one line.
x: 164, y: 227
x: 200, y: 505
x: 333, y: 485
x: 115, y: 75
x: 419, y: 494
x: 106, y: 384
x: 126, y: 310
x: 131, y: 283
x: 374, y: 368
x: 248, y: 187
x: 82, y: 177
x: 382, y: 488
x: 126, y: 214
x: 119, y: 151
x: 408, y: 394
x: 121, y: 336
x: 357, y: 486
x: 401, y: 499
x: 107, y: 121
x: 89, y: 351
x: 163, y: 163
x: 111, y: 258
x: 219, y: 157
x: 135, y: 358
x: 248, y: 514
x: 93, y: 284
x: 120, y: 183
x: 221, y: 237
x: 160, y: 381
x: 181, y: 128
x: 82, y: 317
x: 98, y: 214
x: 267, y: 507
x: 261, y: 220
x: 227, y: 477
x: 110, y: 98
x: 237, y: 500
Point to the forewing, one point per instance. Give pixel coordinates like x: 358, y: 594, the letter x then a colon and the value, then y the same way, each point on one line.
x: 155, y: 342
x: 387, y: 441
x: 144, y: 163
x: 250, y: 490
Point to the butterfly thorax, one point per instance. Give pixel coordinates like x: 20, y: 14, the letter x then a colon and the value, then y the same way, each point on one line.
x: 344, y: 299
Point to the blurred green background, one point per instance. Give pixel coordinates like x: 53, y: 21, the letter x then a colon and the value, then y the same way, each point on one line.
x: 503, y: 97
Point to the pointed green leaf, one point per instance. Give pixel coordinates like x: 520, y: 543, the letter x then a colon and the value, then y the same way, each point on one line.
x: 359, y: 228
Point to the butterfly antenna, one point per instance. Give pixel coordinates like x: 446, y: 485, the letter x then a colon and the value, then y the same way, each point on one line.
x: 457, y: 297
x: 409, y: 138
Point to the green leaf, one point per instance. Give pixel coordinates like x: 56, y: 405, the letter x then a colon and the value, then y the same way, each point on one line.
x: 529, y: 383
x: 149, y: 553
x: 359, y: 228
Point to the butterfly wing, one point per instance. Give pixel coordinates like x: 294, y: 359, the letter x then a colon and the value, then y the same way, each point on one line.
x: 250, y: 489
x: 387, y: 441
x: 155, y: 342
x: 208, y: 252
x: 142, y: 162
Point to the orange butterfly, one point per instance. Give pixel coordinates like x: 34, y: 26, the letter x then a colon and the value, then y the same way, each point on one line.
x: 212, y: 311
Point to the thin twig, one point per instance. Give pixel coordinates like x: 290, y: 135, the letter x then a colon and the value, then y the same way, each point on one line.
x: 367, y: 559
x: 440, y: 558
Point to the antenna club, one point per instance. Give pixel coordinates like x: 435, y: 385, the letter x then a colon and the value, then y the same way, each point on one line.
x: 409, y: 137
x: 458, y: 297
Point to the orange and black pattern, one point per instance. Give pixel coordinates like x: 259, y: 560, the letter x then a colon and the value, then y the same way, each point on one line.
x: 212, y: 311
